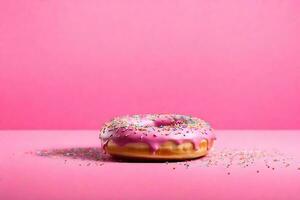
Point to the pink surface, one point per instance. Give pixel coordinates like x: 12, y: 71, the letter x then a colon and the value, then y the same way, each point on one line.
x: 26, y: 176
x: 75, y: 64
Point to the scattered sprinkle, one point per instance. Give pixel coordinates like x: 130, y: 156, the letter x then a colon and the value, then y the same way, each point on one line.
x: 89, y: 154
x: 227, y: 158
x: 243, y: 158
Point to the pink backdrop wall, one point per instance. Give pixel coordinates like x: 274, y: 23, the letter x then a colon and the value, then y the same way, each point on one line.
x: 74, y: 64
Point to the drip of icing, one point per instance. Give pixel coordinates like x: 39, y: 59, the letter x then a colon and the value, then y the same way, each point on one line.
x: 154, y: 130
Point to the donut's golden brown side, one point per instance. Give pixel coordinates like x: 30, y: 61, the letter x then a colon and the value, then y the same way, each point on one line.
x: 167, y: 151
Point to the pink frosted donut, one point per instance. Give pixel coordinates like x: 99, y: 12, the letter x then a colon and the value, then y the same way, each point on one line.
x: 157, y: 137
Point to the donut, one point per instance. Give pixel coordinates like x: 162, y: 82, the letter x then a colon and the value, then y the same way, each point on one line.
x: 157, y: 137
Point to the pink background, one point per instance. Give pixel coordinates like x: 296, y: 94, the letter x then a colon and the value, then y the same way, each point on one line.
x: 74, y: 64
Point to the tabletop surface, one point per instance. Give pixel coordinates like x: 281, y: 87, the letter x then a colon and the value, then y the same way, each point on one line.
x: 244, y: 164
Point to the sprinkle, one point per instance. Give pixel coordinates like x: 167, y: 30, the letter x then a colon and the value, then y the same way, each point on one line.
x: 241, y: 158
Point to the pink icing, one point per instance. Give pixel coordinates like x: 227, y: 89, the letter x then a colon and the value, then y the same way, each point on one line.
x: 155, y: 130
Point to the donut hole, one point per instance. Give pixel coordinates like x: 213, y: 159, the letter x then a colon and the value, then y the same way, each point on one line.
x: 166, y: 122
